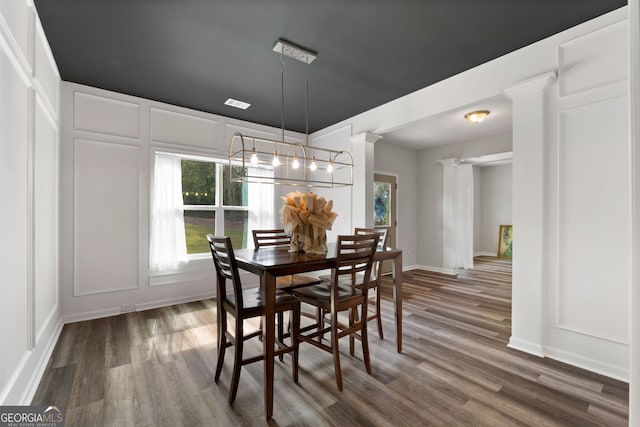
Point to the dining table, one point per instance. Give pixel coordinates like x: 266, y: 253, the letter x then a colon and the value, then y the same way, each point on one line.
x: 271, y: 262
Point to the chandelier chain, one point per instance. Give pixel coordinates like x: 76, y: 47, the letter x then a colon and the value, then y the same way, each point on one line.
x: 306, y: 106
x: 282, y: 88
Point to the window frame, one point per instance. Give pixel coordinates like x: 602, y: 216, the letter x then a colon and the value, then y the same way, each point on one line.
x: 218, y: 208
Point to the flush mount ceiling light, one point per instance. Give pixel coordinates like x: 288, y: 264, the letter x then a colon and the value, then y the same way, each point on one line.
x: 476, y: 117
x: 293, y: 163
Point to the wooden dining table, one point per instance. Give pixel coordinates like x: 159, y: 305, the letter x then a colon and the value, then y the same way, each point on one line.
x: 271, y: 262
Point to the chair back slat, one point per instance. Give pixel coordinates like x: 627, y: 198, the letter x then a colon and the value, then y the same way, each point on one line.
x: 226, y: 267
x: 382, y: 244
x: 382, y: 232
x: 355, y: 255
x: 266, y: 238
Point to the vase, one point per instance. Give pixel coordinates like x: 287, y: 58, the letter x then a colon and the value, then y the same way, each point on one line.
x: 309, y: 239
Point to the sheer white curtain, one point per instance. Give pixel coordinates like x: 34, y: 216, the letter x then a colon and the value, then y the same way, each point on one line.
x: 463, y: 215
x: 168, y: 246
x: 261, y: 203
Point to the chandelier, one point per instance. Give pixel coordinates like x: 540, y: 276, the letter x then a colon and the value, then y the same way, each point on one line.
x: 292, y: 163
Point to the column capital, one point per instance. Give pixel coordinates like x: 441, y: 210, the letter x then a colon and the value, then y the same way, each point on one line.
x: 365, y: 137
x: 449, y: 162
x: 532, y: 85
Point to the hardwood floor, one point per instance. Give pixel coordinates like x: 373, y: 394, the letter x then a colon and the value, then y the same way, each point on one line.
x: 155, y: 368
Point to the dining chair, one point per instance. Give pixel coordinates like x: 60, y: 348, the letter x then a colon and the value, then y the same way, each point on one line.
x: 242, y: 305
x: 276, y: 237
x: 354, y: 254
x: 375, y: 278
x: 280, y: 238
x: 376, y: 274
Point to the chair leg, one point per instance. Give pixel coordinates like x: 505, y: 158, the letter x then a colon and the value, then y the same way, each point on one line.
x: 280, y: 332
x: 222, y: 342
x: 295, y: 330
x: 237, y: 361
x: 336, y: 349
x: 378, y: 317
x: 353, y: 316
x: 320, y: 322
x: 365, y: 339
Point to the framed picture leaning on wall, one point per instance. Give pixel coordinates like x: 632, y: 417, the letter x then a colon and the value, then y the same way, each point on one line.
x: 505, y: 241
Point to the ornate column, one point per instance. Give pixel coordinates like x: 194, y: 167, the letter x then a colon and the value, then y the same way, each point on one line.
x: 448, y: 222
x: 363, y: 169
x: 527, y: 324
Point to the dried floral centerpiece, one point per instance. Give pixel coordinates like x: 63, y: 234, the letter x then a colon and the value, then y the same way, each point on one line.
x: 307, y: 217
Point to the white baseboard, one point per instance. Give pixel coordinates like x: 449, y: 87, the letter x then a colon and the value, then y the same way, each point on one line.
x: 493, y: 254
x: 114, y: 311
x: 30, y: 391
x: 526, y: 346
x: 173, y: 301
x: 435, y: 269
x: 606, y: 369
x: 573, y: 359
x: 22, y: 386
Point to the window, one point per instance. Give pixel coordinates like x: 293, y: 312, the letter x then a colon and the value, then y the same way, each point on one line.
x: 192, y: 197
x: 203, y: 185
x: 382, y: 203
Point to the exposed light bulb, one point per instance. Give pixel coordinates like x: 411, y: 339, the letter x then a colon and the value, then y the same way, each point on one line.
x: 254, y: 156
x: 330, y: 166
x: 276, y: 161
x: 313, y: 165
x: 295, y: 164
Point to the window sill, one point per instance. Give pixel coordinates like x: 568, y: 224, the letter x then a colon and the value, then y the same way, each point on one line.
x: 196, y: 268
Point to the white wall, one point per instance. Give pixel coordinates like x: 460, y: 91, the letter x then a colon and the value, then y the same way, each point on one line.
x: 339, y: 139
x: 29, y: 123
x: 587, y: 247
x: 402, y: 162
x: 430, y: 225
x: 108, y: 141
x: 634, y: 113
x: 495, y: 187
x: 571, y: 176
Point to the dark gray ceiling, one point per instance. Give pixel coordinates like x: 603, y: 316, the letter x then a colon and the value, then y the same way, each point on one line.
x: 198, y: 53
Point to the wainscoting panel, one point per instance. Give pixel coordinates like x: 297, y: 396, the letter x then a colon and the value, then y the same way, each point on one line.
x: 107, y: 116
x: 177, y: 128
x: 46, y: 215
x: 593, y: 60
x: 107, y: 217
x: 339, y: 138
x: 593, y: 251
x: 15, y: 227
x: 230, y: 129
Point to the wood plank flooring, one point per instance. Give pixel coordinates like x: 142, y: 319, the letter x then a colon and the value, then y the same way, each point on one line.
x: 155, y: 368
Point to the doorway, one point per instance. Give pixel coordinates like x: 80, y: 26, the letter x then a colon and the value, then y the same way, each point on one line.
x: 385, y: 189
